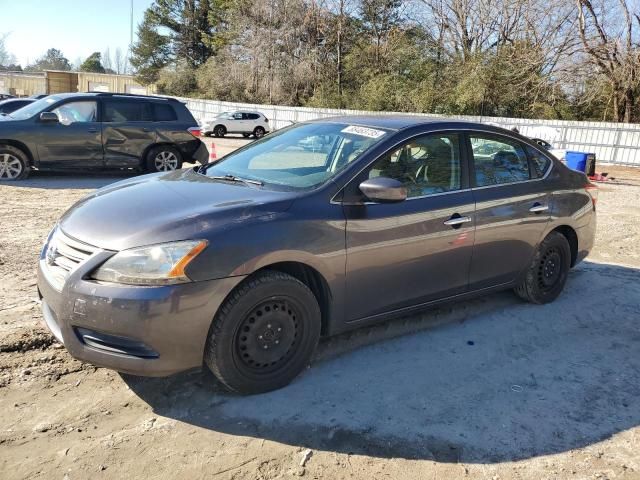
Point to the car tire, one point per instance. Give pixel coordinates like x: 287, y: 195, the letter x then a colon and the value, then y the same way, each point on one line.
x: 163, y: 158
x: 220, y: 131
x: 259, y: 132
x: 548, y: 271
x: 14, y: 164
x: 264, y: 334
x: 246, y: 135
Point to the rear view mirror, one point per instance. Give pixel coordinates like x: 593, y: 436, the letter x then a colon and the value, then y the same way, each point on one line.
x: 384, y: 190
x: 49, y: 117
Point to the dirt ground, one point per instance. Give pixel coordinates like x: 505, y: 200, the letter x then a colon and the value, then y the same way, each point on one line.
x: 491, y: 388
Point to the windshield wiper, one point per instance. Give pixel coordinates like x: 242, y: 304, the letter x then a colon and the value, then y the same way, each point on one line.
x: 233, y: 178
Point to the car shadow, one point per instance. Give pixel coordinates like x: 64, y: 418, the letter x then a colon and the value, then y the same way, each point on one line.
x: 492, y: 380
x: 78, y: 179
x: 228, y: 136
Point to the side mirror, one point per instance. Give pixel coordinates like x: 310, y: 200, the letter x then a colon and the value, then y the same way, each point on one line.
x: 384, y: 190
x: 49, y: 117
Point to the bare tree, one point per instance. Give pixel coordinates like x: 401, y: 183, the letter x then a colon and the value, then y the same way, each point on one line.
x: 608, y: 39
x: 106, y: 60
x: 6, y: 58
x: 120, y: 62
x: 542, y: 58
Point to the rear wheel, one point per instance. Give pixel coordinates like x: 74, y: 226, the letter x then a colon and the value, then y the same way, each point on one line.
x: 548, y: 271
x: 258, y: 132
x: 219, y: 131
x: 14, y: 164
x: 264, y: 334
x: 163, y: 158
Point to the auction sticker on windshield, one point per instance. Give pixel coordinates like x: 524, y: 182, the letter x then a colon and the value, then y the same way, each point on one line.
x: 363, y: 131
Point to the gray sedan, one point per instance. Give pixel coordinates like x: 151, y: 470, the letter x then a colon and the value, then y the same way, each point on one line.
x: 252, y: 259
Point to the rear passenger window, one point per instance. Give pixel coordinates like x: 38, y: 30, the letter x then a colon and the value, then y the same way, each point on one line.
x: 127, y: 111
x: 498, y: 161
x: 253, y: 116
x: 163, y: 112
x: 539, y: 163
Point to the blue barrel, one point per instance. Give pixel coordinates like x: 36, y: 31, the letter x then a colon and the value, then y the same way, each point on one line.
x: 580, y: 161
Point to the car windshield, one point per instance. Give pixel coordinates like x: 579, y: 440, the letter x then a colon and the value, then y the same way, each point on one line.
x: 299, y: 157
x: 34, y: 108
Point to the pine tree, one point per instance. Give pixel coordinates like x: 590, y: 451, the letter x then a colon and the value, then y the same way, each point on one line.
x: 152, y: 52
x: 93, y: 63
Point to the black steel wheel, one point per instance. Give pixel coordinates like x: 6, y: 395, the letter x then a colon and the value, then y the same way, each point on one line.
x: 548, y: 271
x: 549, y: 268
x: 264, y: 334
x: 267, y: 336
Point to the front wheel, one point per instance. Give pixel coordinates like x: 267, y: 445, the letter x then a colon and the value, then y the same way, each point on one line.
x: 264, y: 334
x: 163, y: 158
x: 548, y: 271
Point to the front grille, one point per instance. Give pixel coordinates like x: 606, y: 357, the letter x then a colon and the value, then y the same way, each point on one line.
x: 63, y: 256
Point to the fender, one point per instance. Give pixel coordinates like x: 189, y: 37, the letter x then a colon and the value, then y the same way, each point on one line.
x: 333, y: 277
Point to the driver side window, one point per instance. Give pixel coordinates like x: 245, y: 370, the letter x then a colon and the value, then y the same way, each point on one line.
x: 426, y: 165
x: 77, y: 112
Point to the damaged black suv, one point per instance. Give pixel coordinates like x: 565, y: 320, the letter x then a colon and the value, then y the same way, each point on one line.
x: 98, y: 131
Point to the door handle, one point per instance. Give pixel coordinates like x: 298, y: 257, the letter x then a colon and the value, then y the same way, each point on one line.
x: 92, y: 130
x: 538, y: 207
x: 457, y: 220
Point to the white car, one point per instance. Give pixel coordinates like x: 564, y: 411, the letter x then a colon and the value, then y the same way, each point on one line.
x: 246, y: 123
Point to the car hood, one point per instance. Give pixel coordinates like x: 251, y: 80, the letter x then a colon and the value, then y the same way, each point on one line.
x: 167, y: 207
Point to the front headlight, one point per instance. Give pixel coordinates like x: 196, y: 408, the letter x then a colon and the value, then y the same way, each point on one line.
x: 162, y: 264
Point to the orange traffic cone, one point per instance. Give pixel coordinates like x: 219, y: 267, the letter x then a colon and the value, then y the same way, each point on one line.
x: 212, y: 153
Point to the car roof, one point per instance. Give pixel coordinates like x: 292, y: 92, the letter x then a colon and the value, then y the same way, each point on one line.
x: 109, y: 94
x: 392, y: 122
x: 13, y: 100
x: 400, y: 122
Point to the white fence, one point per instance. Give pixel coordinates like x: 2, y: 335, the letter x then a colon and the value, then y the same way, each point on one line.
x: 611, y: 142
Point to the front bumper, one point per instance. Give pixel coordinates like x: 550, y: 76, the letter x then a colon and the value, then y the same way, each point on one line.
x: 151, y: 331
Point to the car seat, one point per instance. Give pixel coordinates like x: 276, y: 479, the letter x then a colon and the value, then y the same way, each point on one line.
x: 508, y: 167
x: 435, y: 170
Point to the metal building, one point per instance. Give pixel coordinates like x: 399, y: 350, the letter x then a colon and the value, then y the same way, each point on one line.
x: 24, y: 84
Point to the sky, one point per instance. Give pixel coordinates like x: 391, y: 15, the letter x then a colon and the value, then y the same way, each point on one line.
x: 76, y: 27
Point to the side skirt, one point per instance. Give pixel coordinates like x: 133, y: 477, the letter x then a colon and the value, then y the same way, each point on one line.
x: 380, y: 317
